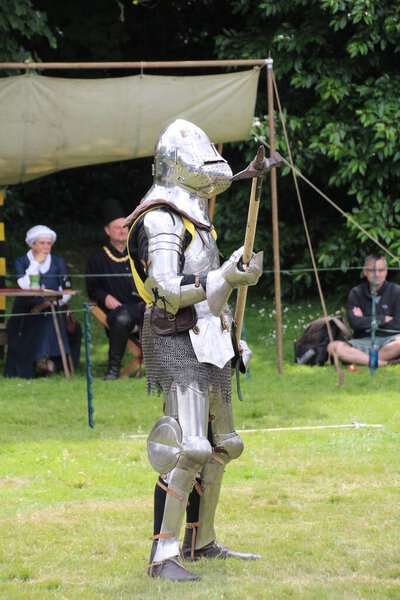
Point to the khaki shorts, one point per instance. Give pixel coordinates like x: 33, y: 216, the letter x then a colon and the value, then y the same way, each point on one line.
x: 364, y: 344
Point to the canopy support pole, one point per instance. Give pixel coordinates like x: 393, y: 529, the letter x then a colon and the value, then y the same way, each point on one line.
x: 2, y: 277
x: 144, y: 64
x: 275, y: 226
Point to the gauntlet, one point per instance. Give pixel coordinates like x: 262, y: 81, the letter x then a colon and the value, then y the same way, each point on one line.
x: 229, y: 276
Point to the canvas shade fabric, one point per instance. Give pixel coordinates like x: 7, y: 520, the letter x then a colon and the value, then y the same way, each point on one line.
x: 49, y: 124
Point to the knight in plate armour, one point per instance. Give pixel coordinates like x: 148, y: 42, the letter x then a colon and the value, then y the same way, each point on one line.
x: 187, y: 344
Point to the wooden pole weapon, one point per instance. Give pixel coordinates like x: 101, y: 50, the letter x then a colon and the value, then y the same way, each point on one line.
x: 256, y: 170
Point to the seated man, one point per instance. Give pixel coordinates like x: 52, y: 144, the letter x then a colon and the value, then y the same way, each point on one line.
x: 359, y: 312
x: 116, y: 294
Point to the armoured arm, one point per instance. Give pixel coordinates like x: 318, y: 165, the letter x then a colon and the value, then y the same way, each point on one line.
x: 231, y: 275
x: 170, y: 289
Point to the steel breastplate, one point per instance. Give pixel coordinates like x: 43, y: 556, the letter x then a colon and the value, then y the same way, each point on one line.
x: 211, y: 342
x: 202, y: 255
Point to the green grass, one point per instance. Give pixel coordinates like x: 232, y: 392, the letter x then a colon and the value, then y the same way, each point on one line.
x: 320, y: 505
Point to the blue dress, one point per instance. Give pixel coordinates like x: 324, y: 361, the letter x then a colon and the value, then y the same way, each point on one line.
x: 31, y: 336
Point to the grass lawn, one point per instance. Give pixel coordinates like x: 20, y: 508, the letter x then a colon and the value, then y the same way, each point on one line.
x: 321, y: 505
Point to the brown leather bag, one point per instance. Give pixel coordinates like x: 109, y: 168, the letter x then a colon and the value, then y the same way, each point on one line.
x: 165, y: 323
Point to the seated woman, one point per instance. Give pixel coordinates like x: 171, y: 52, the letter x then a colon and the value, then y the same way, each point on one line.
x: 33, y: 347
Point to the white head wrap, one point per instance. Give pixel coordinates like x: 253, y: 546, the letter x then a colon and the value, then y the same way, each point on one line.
x: 34, y: 233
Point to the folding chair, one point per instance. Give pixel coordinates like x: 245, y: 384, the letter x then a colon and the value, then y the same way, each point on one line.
x: 133, y: 345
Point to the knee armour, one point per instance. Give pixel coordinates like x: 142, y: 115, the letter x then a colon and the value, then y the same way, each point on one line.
x: 166, y: 448
x: 229, y: 444
x: 196, y: 452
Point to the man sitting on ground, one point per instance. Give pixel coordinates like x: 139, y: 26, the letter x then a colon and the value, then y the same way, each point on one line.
x: 359, y: 313
x: 116, y: 294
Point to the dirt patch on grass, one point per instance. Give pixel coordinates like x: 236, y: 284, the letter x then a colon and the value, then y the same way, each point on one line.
x: 12, y: 482
x: 74, y: 511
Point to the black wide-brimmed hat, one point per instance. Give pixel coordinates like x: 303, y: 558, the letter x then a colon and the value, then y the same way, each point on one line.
x: 112, y: 210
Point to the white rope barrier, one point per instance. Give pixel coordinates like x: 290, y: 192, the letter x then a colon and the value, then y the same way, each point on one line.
x: 354, y: 425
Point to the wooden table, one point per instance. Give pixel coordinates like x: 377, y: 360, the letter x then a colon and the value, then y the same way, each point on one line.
x: 51, y: 296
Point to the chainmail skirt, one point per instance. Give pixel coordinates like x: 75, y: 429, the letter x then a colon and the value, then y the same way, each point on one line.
x: 171, y: 360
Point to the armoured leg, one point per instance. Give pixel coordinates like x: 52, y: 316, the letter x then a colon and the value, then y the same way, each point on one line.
x: 200, y: 538
x: 191, y: 408
x: 169, y: 568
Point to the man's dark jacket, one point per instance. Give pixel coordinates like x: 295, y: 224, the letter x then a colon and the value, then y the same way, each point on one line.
x: 387, y: 303
x: 120, y: 284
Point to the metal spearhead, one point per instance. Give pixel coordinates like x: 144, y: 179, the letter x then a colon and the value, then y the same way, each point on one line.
x: 260, y: 165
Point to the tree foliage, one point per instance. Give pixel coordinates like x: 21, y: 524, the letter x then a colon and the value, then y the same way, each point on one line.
x: 107, y: 30
x: 20, y: 23
x: 336, y: 67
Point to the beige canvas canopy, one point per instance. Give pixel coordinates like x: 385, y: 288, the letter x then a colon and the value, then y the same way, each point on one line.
x: 48, y: 123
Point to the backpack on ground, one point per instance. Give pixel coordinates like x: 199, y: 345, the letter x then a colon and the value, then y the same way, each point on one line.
x: 310, y: 348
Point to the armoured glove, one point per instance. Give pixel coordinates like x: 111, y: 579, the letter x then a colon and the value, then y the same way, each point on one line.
x: 243, y: 353
x: 230, y: 275
x: 246, y: 354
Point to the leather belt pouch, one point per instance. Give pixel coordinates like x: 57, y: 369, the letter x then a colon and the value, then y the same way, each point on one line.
x: 165, y: 323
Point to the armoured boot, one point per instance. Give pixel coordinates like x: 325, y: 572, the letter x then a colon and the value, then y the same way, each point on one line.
x: 164, y: 563
x: 214, y: 550
x: 200, y: 538
x: 119, y: 333
x: 171, y: 569
x: 153, y: 551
